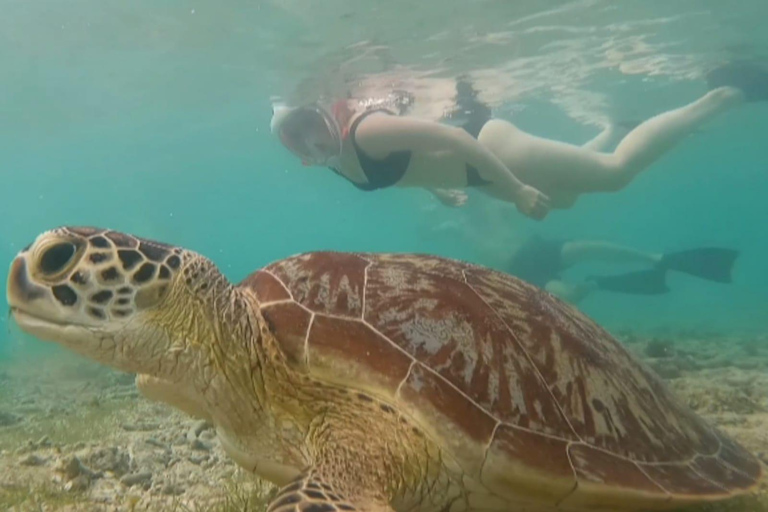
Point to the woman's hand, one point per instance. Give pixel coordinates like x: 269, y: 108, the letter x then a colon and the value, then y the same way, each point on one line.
x: 452, y: 198
x: 532, y: 203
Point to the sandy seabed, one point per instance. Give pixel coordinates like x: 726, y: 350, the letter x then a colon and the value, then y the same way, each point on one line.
x: 75, y: 436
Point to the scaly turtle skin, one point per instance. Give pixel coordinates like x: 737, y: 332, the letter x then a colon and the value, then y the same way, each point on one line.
x: 382, y: 382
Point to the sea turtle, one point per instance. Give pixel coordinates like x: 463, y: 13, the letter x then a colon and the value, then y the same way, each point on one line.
x: 382, y: 382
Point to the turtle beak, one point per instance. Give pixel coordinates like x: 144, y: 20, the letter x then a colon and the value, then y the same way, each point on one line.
x: 20, y: 289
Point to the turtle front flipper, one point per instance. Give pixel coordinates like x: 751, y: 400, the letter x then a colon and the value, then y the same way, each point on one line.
x: 311, y: 492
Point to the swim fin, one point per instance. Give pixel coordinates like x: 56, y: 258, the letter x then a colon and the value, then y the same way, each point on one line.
x: 750, y: 78
x: 710, y: 263
x: 640, y: 282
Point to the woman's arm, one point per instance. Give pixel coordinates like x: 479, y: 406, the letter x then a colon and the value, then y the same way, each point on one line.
x: 379, y: 135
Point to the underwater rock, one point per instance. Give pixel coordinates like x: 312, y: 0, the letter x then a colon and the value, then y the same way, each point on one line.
x: 139, y: 427
x: 110, y: 459
x: 163, y: 458
x: 198, y: 459
x: 147, y: 457
x: 201, y: 426
x: 8, y: 419
x: 158, y: 444
x: 123, y: 394
x: 43, y: 442
x: 33, y: 460
x: 71, y: 467
x: 172, y: 490
x: 78, y: 484
x: 142, y: 478
x: 180, y: 441
x: 199, y: 446
x: 196, y: 429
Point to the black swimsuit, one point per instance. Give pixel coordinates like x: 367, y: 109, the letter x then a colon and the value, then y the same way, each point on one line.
x: 386, y: 172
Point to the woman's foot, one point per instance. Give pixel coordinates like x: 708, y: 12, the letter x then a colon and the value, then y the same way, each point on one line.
x: 726, y: 95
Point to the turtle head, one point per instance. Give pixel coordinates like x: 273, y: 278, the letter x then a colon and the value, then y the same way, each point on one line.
x: 112, y: 297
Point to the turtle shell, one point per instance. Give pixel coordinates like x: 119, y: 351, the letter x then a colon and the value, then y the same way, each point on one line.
x: 533, y: 400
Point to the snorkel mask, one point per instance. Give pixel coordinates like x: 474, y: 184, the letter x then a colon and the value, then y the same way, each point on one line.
x: 309, y: 132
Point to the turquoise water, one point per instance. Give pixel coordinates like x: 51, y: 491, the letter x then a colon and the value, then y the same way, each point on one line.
x: 155, y: 120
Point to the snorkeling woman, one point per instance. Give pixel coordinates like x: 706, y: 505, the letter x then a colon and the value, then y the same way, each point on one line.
x: 375, y: 144
x: 376, y: 147
x: 542, y: 261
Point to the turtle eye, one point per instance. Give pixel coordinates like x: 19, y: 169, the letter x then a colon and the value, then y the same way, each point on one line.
x: 56, y: 258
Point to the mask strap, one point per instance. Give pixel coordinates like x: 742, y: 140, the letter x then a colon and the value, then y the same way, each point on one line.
x: 342, y: 113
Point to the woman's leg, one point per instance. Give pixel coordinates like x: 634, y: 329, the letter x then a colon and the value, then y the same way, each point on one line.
x: 578, y: 251
x: 552, y: 165
x: 603, y: 140
x: 560, y: 199
x: 651, y: 139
